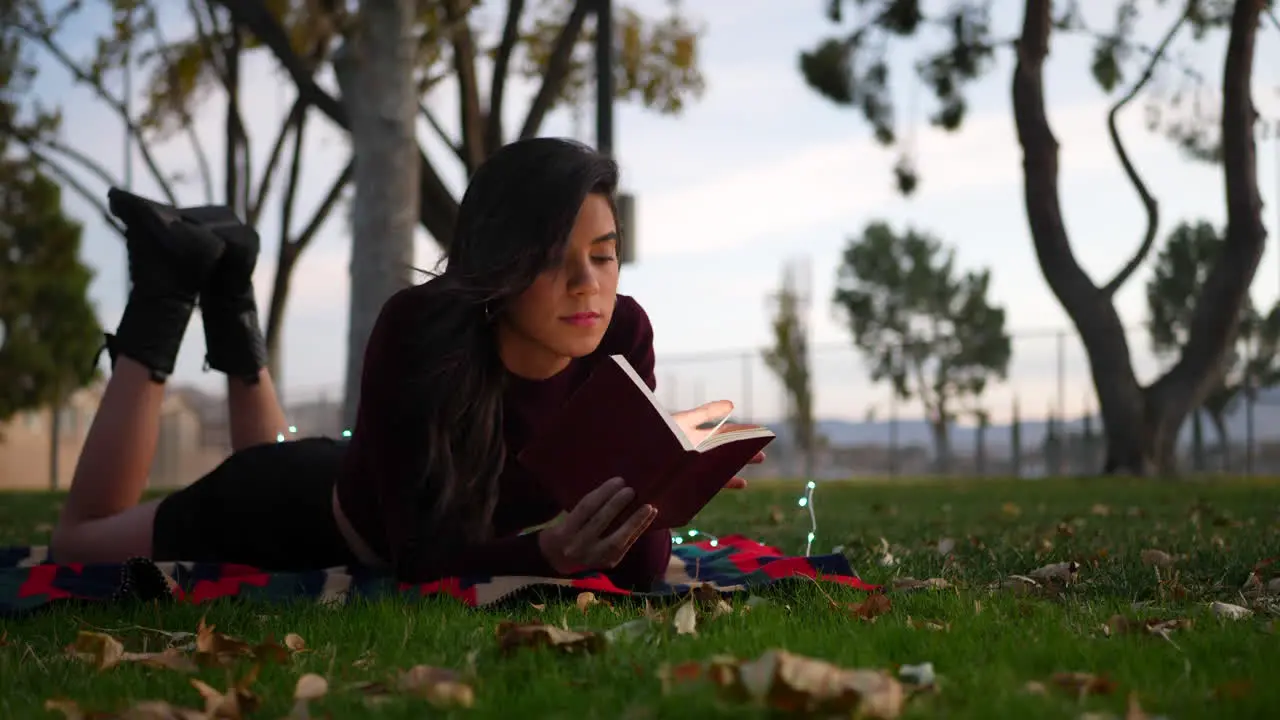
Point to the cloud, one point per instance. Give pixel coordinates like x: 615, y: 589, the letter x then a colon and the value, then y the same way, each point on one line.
x: 824, y: 182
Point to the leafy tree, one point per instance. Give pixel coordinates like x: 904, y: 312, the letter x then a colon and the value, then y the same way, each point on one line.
x: 180, y: 78
x: 1253, y: 361
x: 788, y: 359
x: 922, y: 325
x: 48, y: 330
x: 194, y: 66
x: 852, y: 69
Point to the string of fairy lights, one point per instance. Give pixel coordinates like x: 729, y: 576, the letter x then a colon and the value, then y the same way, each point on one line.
x: 691, y: 534
x: 805, y: 501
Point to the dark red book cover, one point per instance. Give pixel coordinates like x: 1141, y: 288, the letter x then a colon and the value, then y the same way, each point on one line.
x: 613, y: 426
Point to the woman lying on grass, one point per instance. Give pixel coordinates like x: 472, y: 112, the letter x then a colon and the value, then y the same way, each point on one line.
x: 458, y: 372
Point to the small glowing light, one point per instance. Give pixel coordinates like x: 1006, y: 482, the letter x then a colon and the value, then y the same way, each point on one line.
x: 804, y: 501
x: 715, y: 543
x: 811, y: 485
x: 293, y: 428
x: 811, y: 536
x: 346, y: 433
x: 279, y: 437
x: 677, y: 540
x: 693, y: 533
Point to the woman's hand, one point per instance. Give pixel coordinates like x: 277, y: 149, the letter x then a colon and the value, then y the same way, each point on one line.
x: 578, y: 542
x: 689, y: 420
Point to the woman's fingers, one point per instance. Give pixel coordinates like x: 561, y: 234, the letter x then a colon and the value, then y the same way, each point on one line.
x: 620, y: 541
x: 736, y: 483
x: 594, y: 529
x: 590, y: 504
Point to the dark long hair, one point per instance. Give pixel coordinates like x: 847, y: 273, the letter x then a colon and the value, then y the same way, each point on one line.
x: 514, y: 221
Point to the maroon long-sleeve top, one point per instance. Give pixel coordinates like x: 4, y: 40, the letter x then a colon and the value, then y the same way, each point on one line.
x: 381, y: 462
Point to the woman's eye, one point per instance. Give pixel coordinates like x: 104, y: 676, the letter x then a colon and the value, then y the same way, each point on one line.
x: 604, y: 258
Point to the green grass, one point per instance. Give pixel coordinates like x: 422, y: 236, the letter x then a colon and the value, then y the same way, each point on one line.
x: 984, y: 659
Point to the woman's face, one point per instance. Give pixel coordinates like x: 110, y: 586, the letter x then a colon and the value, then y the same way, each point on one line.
x: 566, y: 311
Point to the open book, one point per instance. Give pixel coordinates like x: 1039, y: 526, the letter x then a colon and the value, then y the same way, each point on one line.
x: 614, y: 426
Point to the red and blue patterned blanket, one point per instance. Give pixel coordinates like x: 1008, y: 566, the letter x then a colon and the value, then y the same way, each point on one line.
x: 29, y: 582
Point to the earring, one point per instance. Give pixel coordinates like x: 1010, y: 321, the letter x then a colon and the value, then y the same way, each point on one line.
x: 488, y: 313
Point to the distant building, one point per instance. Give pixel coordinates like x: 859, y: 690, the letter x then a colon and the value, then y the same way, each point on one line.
x: 185, y: 449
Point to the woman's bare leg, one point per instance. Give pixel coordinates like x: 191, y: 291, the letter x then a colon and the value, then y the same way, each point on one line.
x: 169, y: 258
x: 254, y: 411
x: 112, y: 471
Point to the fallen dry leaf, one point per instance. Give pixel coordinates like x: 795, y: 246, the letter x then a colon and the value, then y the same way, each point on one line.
x: 213, y: 643
x: 70, y: 709
x: 1061, y: 572
x: 1011, y: 509
x: 512, y: 635
x: 1017, y: 584
x: 946, y: 545
x: 441, y: 687
x: 775, y: 515
x: 98, y: 649
x: 309, y: 687
x: 921, y: 676
x: 875, y: 605
x: 1082, y: 683
x: 686, y: 619
x: 886, y: 558
x: 1121, y: 625
x: 294, y: 642
x: 684, y: 672
x: 1134, y: 710
x: 1157, y: 558
x: 1100, y: 510
x: 794, y: 683
x: 586, y: 600
x: 1229, y: 611
x: 630, y: 630
x: 169, y: 659
x: 909, y: 583
x: 927, y: 625
x: 233, y: 704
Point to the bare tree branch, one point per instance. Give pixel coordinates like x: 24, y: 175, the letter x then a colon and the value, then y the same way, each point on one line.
x: 80, y: 158
x: 501, y: 65
x: 72, y: 182
x: 45, y: 38
x: 273, y: 160
x: 437, y: 208
x: 188, y: 124
x: 441, y: 132
x: 211, y: 49
x: 464, y: 63
x: 557, y: 69
x: 295, y: 170
x: 326, y: 206
x: 1149, y: 203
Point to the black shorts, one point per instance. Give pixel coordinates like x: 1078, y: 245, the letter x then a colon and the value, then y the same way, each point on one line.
x: 269, y: 506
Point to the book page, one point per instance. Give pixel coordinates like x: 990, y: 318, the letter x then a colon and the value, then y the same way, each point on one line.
x: 733, y: 432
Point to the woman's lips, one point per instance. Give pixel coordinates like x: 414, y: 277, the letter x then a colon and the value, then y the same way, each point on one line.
x: 584, y: 319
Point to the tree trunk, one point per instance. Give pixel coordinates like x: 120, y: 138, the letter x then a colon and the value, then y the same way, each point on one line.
x: 1219, y: 420
x: 375, y: 72
x: 942, y: 446
x: 55, y: 438
x: 1141, y: 424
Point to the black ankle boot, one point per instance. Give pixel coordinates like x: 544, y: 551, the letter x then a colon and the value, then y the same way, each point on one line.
x: 169, y: 262
x: 233, y: 336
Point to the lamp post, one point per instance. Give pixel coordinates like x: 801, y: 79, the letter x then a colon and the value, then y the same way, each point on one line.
x: 604, y: 122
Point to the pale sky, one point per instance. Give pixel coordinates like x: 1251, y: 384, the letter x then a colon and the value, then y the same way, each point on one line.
x: 760, y: 171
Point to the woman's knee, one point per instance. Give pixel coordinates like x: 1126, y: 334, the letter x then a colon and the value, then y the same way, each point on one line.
x: 111, y: 539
